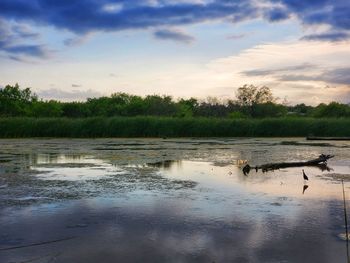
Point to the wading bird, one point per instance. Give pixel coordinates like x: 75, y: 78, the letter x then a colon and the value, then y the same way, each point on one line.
x: 305, y: 176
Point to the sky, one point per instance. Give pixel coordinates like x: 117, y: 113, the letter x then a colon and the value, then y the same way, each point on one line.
x: 75, y: 49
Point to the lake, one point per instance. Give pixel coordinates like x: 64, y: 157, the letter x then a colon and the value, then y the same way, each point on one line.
x: 171, y: 200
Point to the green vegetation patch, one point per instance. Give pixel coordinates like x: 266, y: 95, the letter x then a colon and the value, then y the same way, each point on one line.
x: 171, y: 127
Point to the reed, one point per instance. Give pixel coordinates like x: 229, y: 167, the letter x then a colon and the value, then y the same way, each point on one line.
x: 144, y: 126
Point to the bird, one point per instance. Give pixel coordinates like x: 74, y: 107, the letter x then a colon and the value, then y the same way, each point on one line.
x: 305, y: 176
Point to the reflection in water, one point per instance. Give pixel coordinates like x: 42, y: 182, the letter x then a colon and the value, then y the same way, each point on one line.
x: 305, y: 187
x: 325, y: 167
x: 129, y: 202
x: 144, y: 234
x: 166, y: 164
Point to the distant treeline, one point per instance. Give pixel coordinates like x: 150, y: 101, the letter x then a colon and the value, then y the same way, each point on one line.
x: 250, y: 102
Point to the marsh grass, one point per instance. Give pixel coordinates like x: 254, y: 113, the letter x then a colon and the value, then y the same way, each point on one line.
x: 171, y: 127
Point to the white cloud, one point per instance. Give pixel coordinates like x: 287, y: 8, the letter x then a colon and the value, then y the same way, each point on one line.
x: 113, y: 8
x: 73, y: 95
x: 275, y: 60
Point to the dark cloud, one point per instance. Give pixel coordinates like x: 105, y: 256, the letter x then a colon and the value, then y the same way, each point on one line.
x: 29, y: 50
x: 265, y: 72
x: 297, y: 77
x: 258, y: 72
x: 10, y: 42
x: 338, y: 76
x: 76, y: 85
x: 276, y: 14
x: 24, y: 31
x: 85, y: 16
x: 77, y: 40
x: 329, y: 36
x: 82, y: 16
x: 17, y: 58
x: 173, y: 34
x: 296, y: 73
x: 334, y: 76
x: 335, y: 13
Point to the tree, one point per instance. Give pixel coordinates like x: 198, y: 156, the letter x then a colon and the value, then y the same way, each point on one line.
x: 269, y: 109
x: 15, y: 101
x: 186, y: 107
x: 333, y: 109
x: 50, y: 108
x: 300, y: 109
x: 249, y: 95
x: 159, y: 105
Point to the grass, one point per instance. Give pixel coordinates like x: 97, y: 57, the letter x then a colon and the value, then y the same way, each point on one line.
x: 171, y: 127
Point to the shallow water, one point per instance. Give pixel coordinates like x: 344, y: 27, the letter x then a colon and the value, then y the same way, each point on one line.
x: 170, y: 200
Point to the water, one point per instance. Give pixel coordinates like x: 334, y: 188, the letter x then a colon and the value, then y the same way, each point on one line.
x: 170, y: 200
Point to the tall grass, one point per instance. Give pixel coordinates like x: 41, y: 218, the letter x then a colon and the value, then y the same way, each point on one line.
x: 171, y: 127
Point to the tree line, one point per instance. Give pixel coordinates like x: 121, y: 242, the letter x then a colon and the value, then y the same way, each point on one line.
x: 250, y: 102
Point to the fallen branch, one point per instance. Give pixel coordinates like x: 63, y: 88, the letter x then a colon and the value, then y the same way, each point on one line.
x: 320, y: 162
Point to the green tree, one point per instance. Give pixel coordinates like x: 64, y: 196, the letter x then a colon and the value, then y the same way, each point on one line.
x: 268, y: 109
x: 75, y: 109
x: 50, y: 108
x: 159, y: 105
x: 186, y: 108
x: 15, y: 101
x: 301, y: 109
x: 333, y: 109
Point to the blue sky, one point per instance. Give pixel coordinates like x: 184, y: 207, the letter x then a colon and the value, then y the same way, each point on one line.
x: 74, y: 49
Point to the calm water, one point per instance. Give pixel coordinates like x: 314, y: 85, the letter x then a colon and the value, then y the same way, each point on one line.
x: 170, y: 200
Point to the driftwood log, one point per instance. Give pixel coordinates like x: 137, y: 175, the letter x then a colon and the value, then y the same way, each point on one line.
x: 320, y: 162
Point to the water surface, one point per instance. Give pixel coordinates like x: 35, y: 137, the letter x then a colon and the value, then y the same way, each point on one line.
x: 170, y: 200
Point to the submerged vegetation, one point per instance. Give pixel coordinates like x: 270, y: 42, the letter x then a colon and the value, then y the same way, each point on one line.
x: 255, y: 112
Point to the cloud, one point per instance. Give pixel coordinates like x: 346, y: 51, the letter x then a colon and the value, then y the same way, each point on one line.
x: 328, y: 36
x: 334, y: 13
x: 337, y: 76
x: 60, y: 94
x: 82, y: 16
x: 276, y: 14
x: 333, y: 76
x: 29, y: 50
x: 77, y: 40
x: 296, y: 77
x: 319, y: 65
x: 174, y: 35
x: 264, y: 72
x: 76, y: 85
x: 10, y: 42
x: 24, y: 31
x: 236, y: 36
